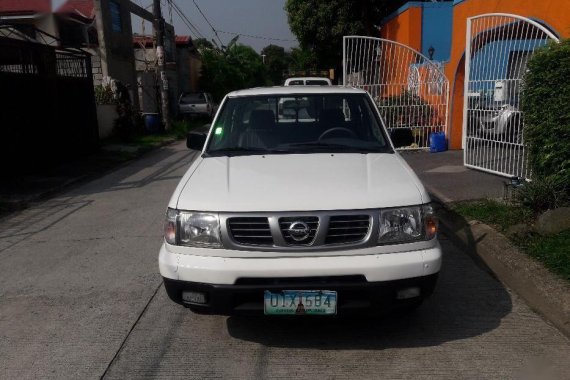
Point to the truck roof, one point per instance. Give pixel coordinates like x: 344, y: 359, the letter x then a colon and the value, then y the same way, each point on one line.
x: 296, y: 90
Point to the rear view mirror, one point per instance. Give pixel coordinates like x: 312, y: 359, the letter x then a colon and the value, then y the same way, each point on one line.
x: 401, y: 137
x: 196, y: 140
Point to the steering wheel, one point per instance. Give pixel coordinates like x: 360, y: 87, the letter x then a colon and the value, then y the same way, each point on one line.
x: 338, y: 129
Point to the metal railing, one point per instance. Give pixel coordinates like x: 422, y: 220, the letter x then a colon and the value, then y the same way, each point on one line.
x: 498, y: 49
x: 411, y: 91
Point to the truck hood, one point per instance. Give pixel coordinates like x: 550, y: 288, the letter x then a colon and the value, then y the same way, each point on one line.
x: 299, y: 182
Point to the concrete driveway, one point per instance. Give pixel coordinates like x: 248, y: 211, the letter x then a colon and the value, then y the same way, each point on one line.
x: 81, y: 297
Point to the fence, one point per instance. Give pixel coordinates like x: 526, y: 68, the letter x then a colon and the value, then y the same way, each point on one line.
x: 47, y: 106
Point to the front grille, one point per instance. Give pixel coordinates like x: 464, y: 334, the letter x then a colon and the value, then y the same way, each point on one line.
x: 311, y: 221
x: 250, y: 231
x: 345, y: 229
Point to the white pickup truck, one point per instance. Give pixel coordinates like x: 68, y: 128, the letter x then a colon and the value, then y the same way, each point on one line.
x: 311, y: 215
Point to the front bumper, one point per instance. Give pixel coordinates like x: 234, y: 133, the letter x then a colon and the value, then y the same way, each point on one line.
x: 354, y: 293
x: 235, y: 285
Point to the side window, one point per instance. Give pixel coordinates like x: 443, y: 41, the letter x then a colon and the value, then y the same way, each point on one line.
x: 296, y: 83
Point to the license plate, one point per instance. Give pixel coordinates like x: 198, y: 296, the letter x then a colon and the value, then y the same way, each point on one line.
x: 300, y: 302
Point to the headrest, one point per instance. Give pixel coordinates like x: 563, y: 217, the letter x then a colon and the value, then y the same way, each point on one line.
x: 261, y: 119
x: 331, y: 116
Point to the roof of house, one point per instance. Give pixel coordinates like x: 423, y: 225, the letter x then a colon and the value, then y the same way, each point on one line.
x: 28, y: 7
x: 82, y: 10
x: 183, y: 40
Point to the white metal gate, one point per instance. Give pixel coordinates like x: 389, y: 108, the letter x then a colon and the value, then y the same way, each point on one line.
x: 498, y: 48
x: 410, y: 90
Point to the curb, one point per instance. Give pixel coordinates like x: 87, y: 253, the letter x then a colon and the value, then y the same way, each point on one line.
x: 543, y: 291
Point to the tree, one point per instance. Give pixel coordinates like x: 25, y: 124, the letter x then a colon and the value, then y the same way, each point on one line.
x: 320, y: 24
x: 276, y: 62
x: 545, y: 98
x: 234, y: 68
x: 302, y: 60
x: 202, y: 43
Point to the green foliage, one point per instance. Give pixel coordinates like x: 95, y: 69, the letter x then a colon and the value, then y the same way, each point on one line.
x: 235, y: 68
x: 276, y: 62
x: 406, y: 109
x: 543, y: 194
x: 202, y: 43
x: 302, y: 60
x: 545, y: 101
x: 125, y: 124
x: 553, y: 251
x: 494, y: 213
x: 320, y: 24
x: 104, y: 95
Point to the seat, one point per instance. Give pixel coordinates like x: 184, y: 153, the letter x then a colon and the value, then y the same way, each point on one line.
x: 260, y: 133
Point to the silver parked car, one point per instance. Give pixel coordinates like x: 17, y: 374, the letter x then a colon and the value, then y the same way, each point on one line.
x: 500, y: 121
x: 197, y: 104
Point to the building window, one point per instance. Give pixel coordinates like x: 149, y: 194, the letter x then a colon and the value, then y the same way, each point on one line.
x: 116, y: 20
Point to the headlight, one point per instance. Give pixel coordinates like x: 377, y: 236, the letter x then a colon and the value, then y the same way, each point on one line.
x: 407, y: 224
x: 194, y: 229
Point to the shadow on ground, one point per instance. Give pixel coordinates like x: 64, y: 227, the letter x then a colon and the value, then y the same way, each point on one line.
x: 468, y: 301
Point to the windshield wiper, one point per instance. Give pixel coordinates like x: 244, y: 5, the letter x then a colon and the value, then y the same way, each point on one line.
x: 243, y: 151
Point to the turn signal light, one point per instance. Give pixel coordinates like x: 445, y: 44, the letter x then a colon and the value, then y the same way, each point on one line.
x: 431, y: 227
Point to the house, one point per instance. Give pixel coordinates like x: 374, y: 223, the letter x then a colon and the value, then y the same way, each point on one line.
x: 145, y: 62
x: 29, y: 16
x: 503, y: 35
x: 189, y: 64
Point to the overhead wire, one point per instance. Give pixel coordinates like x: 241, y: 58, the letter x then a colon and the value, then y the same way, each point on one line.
x: 186, y: 20
x: 209, y: 23
x: 258, y: 37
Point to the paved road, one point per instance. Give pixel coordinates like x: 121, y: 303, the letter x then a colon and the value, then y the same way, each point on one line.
x: 80, y: 297
x: 444, y: 175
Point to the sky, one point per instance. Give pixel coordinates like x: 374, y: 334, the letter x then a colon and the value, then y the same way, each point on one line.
x: 262, y: 18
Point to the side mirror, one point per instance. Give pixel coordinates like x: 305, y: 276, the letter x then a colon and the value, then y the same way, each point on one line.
x: 196, y: 140
x: 401, y: 137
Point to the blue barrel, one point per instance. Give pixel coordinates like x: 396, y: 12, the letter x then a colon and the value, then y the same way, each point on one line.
x: 437, y: 142
x: 151, y: 122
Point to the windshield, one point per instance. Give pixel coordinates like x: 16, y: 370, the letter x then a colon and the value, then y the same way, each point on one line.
x: 335, y: 123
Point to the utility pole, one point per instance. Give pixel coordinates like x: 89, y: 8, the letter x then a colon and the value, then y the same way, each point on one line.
x: 161, y: 66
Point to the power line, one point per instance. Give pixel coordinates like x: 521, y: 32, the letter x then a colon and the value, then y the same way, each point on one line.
x: 209, y: 23
x: 258, y: 37
x: 186, y: 20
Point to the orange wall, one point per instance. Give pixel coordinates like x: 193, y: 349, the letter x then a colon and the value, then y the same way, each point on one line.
x: 555, y: 13
x: 405, y: 28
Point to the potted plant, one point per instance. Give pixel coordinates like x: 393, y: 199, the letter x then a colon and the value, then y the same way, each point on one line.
x: 106, y: 109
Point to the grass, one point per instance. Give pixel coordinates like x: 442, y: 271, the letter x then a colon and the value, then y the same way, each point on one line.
x: 552, y: 251
x: 178, y: 131
x: 499, y: 215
